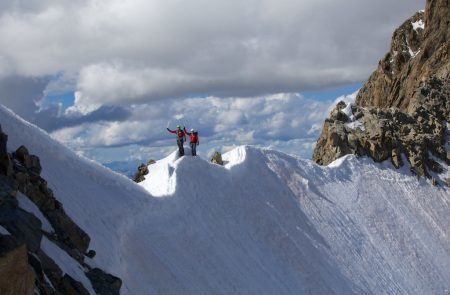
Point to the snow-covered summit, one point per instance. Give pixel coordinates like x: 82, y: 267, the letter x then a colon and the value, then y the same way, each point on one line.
x: 264, y: 223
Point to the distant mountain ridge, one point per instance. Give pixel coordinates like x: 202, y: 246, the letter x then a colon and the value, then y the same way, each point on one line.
x: 404, y: 108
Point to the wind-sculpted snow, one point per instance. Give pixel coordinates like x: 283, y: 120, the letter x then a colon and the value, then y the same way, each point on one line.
x: 264, y: 223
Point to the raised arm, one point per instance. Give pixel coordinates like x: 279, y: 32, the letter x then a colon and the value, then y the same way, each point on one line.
x: 171, y: 131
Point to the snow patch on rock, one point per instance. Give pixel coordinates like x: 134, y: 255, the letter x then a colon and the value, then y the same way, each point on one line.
x: 4, y: 231
x: 418, y: 25
x: 26, y: 204
x: 68, y: 264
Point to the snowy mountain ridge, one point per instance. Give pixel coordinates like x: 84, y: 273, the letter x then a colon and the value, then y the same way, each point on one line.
x: 264, y: 223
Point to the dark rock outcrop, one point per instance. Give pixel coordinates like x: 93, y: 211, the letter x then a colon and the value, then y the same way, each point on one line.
x: 20, y: 171
x: 216, y: 158
x: 23, y: 225
x: 104, y: 283
x: 447, y: 182
x: 16, y: 276
x: 42, y: 284
x: 404, y: 106
x: 69, y: 286
x: 27, y: 171
x: 5, y: 161
x: 142, y: 170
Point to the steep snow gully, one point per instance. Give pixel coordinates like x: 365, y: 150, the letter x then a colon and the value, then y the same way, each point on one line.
x: 264, y: 223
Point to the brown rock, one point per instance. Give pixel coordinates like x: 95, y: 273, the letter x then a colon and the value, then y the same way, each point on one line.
x: 50, y: 268
x: 434, y: 181
x: 447, y: 181
x: 216, y: 158
x: 404, y: 102
x: 16, y: 276
x: 139, y: 176
x: 396, y: 159
x: 32, y: 163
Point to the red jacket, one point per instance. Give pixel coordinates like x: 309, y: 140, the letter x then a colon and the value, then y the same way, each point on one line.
x: 193, y: 136
x: 179, y: 133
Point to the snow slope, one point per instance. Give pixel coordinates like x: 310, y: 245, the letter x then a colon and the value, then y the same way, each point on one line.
x: 265, y: 223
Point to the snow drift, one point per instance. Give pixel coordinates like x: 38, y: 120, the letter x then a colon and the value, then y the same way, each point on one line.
x: 264, y: 223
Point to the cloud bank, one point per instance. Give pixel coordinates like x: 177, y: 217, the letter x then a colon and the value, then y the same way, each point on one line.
x: 132, y: 51
x: 233, y: 69
x: 287, y: 122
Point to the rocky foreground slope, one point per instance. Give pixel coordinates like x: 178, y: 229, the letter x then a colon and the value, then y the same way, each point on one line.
x: 33, y: 227
x: 404, y: 108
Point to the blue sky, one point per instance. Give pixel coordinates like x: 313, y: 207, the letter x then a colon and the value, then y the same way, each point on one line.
x: 107, y: 77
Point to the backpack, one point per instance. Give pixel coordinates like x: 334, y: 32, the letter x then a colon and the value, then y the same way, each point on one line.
x: 195, y: 136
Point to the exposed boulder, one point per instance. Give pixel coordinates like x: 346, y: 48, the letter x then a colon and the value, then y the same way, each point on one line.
x: 142, y: 171
x: 216, y: 158
x: 42, y: 283
x: 27, y: 169
x: 23, y: 225
x: 16, y: 276
x: 69, y: 286
x: 49, y: 268
x: 23, y: 174
x: 447, y: 181
x: 403, y: 107
x: 20, y: 153
x: 104, y: 283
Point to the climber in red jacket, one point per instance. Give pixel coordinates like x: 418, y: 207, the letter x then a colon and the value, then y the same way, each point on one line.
x: 193, y: 140
x: 181, y: 138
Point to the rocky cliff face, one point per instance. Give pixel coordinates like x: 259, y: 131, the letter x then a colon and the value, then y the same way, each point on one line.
x: 404, y: 107
x: 27, y: 267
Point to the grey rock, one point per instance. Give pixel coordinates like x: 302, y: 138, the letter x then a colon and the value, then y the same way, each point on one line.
x: 104, y: 283
x: 69, y: 286
x: 23, y: 225
x: 20, y: 153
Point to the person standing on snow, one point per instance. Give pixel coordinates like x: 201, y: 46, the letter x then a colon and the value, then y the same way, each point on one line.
x: 193, y: 140
x: 181, y: 138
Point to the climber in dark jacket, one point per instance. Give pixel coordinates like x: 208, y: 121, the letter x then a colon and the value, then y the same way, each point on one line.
x: 181, y: 138
x: 193, y: 140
